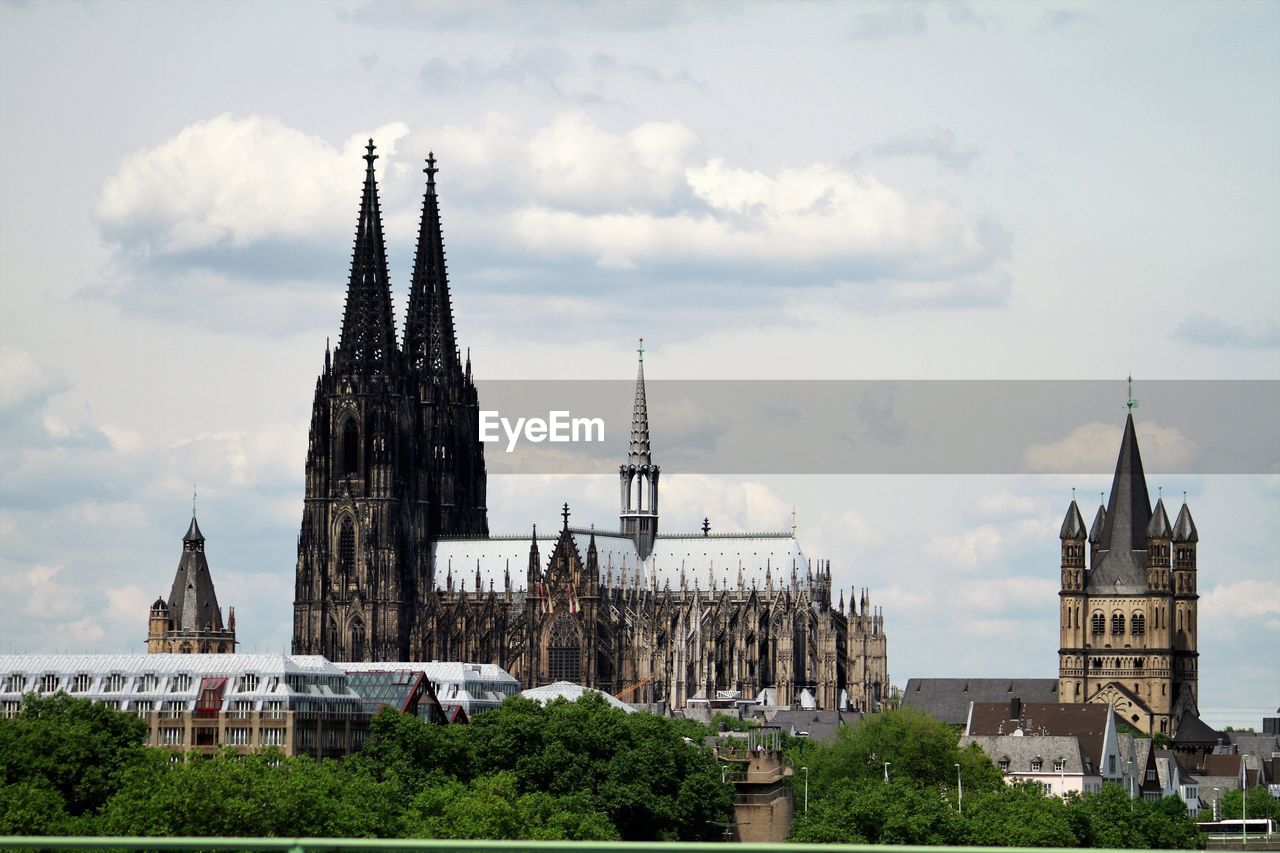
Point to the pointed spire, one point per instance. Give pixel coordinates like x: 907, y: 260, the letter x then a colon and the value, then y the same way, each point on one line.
x: 368, y: 341
x: 1159, y: 527
x: 193, y: 532
x: 429, y: 341
x: 1184, y: 530
x: 638, y: 452
x: 1129, y: 508
x: 1099, y: 522
x: 1073, y: 524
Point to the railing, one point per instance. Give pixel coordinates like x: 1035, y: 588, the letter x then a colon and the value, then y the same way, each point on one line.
x: 305, y: 845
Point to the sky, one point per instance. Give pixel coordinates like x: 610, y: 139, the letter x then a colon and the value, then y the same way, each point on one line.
x: 958, y: 191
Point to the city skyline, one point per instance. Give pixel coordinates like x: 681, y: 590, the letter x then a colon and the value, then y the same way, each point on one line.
x: 930, y: 198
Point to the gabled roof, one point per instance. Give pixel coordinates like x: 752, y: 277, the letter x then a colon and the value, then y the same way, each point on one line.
x: 1021, y: 752
x: 1122, y: 552
x: 948, y: 699
x: 1087, y: 722
x: 1159, y: 527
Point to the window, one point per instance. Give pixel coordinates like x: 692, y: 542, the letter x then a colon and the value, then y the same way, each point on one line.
x: 1111, y: 764
x: 332, y: 738
x: 15, y: 683
x: 238, y: 736
x: 143, y: 708
x: 350, y: 447
x: 346, y: 548
x: 1117, y: 623
x: 82, y: 683
x: 1099, y: 623
x: 113, y: 704
x: 9, y: 708
x: 1059, y: 765
x: 48, y: 683
x: 114, y: 683
x: 273, y: 710
x: 1036, y: 764
x: 248, y: 683
x: 172, y: 710
x: 1151, y: 774
x: 150, y: 683
x: 1139, y: 624
x: 1003, y: 764
x: 271, y: 737
x: 171, y: 736
x: 180, y: 683
x: 357, y: 640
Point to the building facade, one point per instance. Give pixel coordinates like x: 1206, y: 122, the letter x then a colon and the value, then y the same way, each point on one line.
x: 191, y: 621
x: 1128, y: 604
x: 299, y: 704
x: 395, y: 560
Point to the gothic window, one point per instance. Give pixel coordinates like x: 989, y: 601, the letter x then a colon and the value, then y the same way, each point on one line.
x: 1099, y: 623
x: 357, y: 640
x: 350, y: 447
x: 1117, y: 623
x: 347, y: 548
x: 563, y: 662
x: 1139, y: 624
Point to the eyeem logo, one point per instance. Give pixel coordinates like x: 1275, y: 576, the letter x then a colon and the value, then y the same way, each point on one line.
x: 558, y: 426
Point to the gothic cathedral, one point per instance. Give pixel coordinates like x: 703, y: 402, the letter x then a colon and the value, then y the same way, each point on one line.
x: 394, y: 526
x: 1128, y: 618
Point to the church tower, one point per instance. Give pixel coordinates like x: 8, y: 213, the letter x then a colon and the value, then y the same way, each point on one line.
x: 350, y: 601
x: 638, y: 478
x: 1127, y: 622
x: 191, y: 621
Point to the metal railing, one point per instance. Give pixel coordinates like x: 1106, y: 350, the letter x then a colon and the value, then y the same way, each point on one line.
x: 307, y: 845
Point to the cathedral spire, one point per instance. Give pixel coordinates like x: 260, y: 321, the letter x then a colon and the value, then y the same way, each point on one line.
x: 638, y: 452
x: 428, y: 332
x: 368, y: 341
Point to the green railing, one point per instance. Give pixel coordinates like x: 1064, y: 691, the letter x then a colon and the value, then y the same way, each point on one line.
x: 308, y: 845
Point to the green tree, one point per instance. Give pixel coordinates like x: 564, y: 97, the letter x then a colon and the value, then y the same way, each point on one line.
x: 76, y: 748
x: 1259, y: 801
x: 1109, y: 818
x: 1018, y: 815
x: 863, y: 811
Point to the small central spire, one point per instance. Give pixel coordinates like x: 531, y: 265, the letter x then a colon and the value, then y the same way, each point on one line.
x: 193, y: 500
x: 370, y: 156
x: 640, y: 349
x: 431, y: 167
x: 565, y: 513
x: 1132, y: 402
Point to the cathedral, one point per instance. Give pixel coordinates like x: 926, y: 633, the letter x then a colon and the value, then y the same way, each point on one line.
x: 1128, y: 617
x: 396, y: 562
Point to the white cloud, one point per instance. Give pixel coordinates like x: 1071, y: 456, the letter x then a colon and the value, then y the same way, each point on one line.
x: 47, y: 597
x: 1224, y: 604
x: 234, y: 459
x: 233, y: 182
x: 1092, y: 448
x: 968, y: 548
x: 22, y: 378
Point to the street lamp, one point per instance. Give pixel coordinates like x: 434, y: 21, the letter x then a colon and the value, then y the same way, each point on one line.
x: 806, y: 789
x: 886, y: 772
x: 960, y: 788
x: 1217, y: 794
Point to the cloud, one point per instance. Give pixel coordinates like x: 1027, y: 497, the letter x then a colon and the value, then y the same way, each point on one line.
x: 539, y: 66
x: 909, y: 20
x: 1224, y: 604
x: 1057, y: 19
x: 1092, y: 448
x: 45, y: 596
x: 24, y: 380
x: 968, y: 549
x: 938, y: 143
x: 553, y: 16
x: 1207, y: 330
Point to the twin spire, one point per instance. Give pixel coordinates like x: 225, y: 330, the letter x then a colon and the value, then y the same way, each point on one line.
x: 368, y: 341
x: 638, y: 451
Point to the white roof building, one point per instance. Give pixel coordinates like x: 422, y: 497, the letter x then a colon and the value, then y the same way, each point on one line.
x: 570, y: 691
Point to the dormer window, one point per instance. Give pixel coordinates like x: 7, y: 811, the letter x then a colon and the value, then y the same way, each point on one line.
x: 1059, y: 765
x: 15, y: 683
x: 1036, y: 764
x: 150, y: 683
x: 180, y: 683
x: 248, y: 683
x: 114, y: 683
x: 49, y: 683
x: 1003, y: 764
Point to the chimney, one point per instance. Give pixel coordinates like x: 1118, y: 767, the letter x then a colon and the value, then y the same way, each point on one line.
x: 1015, y: 708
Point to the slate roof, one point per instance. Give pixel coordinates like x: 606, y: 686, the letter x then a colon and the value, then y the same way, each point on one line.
x: 1184, y: 529
x: 193, y: 604
x: 1122, y: 552
x: 1099, y: 523
x: 1021, y: 751
x: 816, y: 725
x: 1159, y: 527
x: 1086, y: 722
x: 1194, y: 731
x: 1073, y: 524
x: 948, y: 699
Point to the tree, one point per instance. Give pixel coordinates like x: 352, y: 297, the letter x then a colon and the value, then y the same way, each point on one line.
x: 1109, y: 818
x: 73, y: 747
x: 1018, y: 815
x: 871, y: 812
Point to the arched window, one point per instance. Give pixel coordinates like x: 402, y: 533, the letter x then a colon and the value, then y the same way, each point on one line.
x: 347, y: 548
x: 1117, y: 623
x: 563, y: 662
x: 350, y: 447
x: 1139, y: 624
x: 357, y: 640
x: 1099, y: 623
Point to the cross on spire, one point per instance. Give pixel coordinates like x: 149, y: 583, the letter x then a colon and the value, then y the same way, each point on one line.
x: 431, y: 166
x: 370, y: 157
x: 565, y: 513
x: 193, y: 500
x: 1132, y: 402
x: 640, y: 349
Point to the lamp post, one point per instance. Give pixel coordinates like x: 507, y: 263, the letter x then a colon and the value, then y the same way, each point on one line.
x: 1132, y: 789
x: 1244, y: 800
x: 1217, y: 794
x: 806, y: 789
x: 960, y: 790
x: 886, y: 772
